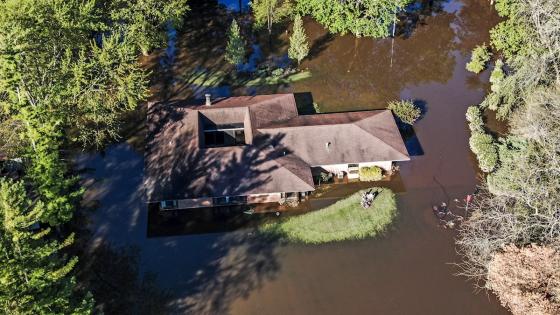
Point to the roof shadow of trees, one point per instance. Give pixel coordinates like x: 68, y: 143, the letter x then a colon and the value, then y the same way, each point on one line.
x: 176, y: 167
x: 129, y: 274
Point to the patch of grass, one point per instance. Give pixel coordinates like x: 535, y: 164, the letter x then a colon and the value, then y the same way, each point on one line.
x: 273, y: 80
x: 344, y: 220
x: 207, y: 79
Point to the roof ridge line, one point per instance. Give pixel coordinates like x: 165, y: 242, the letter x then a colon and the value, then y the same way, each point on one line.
x: 282, y: 166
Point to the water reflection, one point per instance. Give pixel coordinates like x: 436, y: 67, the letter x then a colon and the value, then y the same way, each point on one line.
x: 235, y: 272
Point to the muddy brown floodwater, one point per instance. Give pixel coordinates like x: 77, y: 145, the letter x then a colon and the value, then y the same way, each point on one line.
x: 408, y: 270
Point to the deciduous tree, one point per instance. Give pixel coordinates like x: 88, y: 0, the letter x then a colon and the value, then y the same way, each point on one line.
x: 268, y: 12
x: 360, y: 17
x: 145, y: 21
x: 405, y: 110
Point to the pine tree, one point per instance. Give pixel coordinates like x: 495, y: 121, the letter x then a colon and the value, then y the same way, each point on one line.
x: 235, y: 50
x: 35, y: 277
x: 299, y: 47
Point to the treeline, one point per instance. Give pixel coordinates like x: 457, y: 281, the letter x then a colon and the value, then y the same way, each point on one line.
x: 68, y: 71
x: 370, y: 18
x: 511, y: 242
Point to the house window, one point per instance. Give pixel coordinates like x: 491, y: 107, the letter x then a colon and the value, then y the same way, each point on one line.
x: 168, y: 205
x: 230, y: 200
x: 289, y: 195
x: 224, y: 135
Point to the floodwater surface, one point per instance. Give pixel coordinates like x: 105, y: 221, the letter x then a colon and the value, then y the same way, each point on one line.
x: 409, y: 270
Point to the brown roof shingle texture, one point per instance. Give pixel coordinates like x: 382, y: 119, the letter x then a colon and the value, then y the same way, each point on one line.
x: 277, y: 158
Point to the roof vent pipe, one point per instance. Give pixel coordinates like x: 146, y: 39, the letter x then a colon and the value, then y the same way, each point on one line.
x: 208, y: 99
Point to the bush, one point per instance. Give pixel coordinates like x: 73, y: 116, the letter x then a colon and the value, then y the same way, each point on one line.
x: 317, y: 108
x: 405, y: 110
x: 474, y: 117
x: 480, y: 56
x: 486, y: 152
x: 343, y: 220
x: 526, y: 280
x: 370, y: 174
x: 497, y: 75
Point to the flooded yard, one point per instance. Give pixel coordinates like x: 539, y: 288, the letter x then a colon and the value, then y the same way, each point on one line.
x: 228, y: 269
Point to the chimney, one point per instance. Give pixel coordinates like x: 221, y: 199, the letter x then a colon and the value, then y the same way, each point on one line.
x: 208, y: 99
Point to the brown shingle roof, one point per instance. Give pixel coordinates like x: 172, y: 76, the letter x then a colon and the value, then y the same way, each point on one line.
x: 342, y: 138
x: 281, y: 148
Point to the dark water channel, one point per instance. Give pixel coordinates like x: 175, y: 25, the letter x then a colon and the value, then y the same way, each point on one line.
x: 406, y: 271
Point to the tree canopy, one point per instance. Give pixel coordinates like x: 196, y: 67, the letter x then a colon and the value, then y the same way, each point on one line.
x: 35, y: 275
x: 299, y: 47
x: 235, y: 49
x: 68, y: 71
x: 268, y: 12
x: 519, y: 202
x: 371, y: 18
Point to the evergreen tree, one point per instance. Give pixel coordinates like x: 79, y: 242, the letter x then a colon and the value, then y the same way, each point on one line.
x: 299, y: 47
x: 497, y: 75
x: 35, y: 277
x: 479, y: 59
x: 235, y: 50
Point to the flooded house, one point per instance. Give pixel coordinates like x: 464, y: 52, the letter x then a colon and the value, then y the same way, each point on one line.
x: 257, y: 149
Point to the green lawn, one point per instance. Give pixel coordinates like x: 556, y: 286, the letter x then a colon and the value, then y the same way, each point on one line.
x: 217, y: 78
x: 344, y: 220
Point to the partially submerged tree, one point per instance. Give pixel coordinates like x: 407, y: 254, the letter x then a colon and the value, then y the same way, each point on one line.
x: 145, y: 21
x: 35, y: 277
x: 497, y: 75
x: 268, y: 12
x: 480, y: 56
x: 370, y: 18
x: 405, y: 110
x: 482, y: 145
x: 520, y: 199
x: 299, y: 47
x: 235, y: 49
x: 474, y: 117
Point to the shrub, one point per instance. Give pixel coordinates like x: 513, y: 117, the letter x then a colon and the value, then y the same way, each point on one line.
x: 480, y: 56
x: 370, y: 174
x: 405, y: 110
x: 526, y: 280
x: 497, y: 75
x: 485, y: 150
x: 278, y: 72
x: 474, y: 117
x: 317, y: 108
x: 326, y: 177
